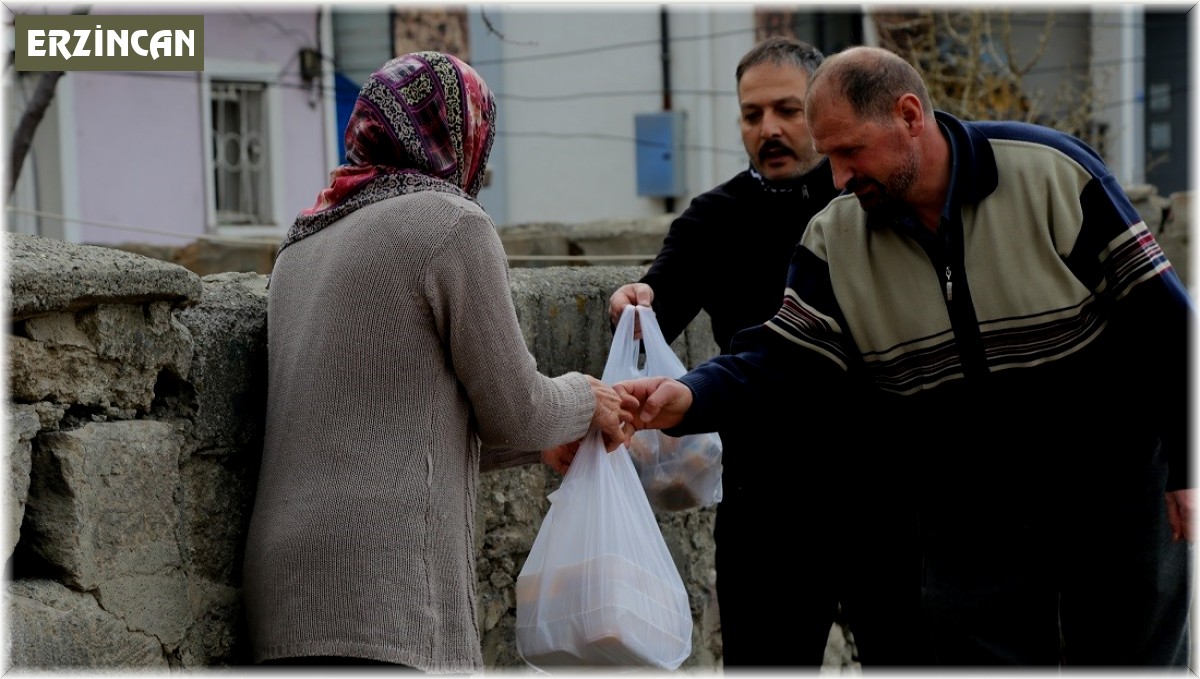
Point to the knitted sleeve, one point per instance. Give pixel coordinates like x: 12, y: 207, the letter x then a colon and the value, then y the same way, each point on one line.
x: 515, y: 407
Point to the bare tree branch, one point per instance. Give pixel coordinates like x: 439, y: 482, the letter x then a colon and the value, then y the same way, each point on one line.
x: 31, y: 117
x: 975, y: 70
x: 492, y: 29
x: 22, y: 137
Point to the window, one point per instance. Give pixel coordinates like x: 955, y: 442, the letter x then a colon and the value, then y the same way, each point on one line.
x: 241, y: 107
x: 240, y: 152
x: 827, y: 31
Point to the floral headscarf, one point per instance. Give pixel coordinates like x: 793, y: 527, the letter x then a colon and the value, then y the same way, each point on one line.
x: 423, y: 122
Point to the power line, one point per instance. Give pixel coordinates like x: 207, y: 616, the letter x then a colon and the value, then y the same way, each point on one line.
x: 1181, y: 63
x: 318, y: 87
x: 250, y: 240
x: 652, y: 42
x: 1021, y: 20
x: 702, y: 148
x: 608, y: 94
x: 612, y: 137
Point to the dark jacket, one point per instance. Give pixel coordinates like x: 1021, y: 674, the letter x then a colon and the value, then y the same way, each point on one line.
x: 728, y: 253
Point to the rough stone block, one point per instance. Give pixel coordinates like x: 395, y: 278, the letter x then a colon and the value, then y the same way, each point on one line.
x: 47, y: 274
x: 102, y: 501
x: 217, y: 635
x: 23, y: 425
x: 228, y: 370
x: 206, y: 257
x: 640, y: 239
x: 215, y: 505
x: 563, y: 314
x: 109, y: 357
x: 157, y: 605
x: 528, y: 244
x: 52, y: 628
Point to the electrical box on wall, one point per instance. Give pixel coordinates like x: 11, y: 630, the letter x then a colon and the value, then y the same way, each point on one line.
x: 660, y: 157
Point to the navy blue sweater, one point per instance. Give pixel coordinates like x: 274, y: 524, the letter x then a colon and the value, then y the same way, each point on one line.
x: 1038, y: 342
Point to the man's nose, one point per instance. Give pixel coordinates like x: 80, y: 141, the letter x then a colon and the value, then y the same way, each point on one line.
x: 770, y: 126
x: 841, y: 174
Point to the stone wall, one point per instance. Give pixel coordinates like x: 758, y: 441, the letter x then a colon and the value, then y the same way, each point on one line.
x: 134, y: 425
x: 623, y: 242
x: 135, y: 428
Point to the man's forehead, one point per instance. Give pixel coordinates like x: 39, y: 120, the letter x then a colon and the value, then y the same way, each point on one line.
x: 822, y: 99
x: 792, y: 99
x: 777, y: 74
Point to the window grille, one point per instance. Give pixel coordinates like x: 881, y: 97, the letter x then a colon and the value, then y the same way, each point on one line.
x: 241, y: 167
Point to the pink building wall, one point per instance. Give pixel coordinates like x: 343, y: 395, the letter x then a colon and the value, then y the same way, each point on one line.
x: 133, y: 143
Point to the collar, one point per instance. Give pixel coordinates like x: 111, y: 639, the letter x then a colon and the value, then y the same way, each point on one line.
x: 950, y: 207
x: 820, y: 176
x: 972, y: 164
x: 973, y: 174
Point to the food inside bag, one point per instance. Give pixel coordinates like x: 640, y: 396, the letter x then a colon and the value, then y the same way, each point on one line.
x: 603, y: 611
x: 676, y: 473
x: 599, y: 587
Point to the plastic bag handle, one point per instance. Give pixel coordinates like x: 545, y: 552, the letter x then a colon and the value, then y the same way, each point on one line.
x: 622, y: 363
x: 660, y: 357
x: 591, y: 454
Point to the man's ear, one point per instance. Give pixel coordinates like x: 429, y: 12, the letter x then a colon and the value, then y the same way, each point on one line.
x: 908, y: 108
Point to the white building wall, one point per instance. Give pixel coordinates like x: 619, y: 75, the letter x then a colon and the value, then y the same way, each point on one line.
x: 569, y: 82
x: 567, y: 110
x: 704, y: 74
x: 1120, y: 58
x: 136, y: 147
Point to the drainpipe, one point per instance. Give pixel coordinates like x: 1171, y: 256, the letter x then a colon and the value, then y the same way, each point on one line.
x: 1132, y: 166
x: 706, y: 106
x: 328, y: 51
x: 665, y: 47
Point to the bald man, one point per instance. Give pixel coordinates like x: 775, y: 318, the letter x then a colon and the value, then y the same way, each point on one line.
x: 1004, y: 314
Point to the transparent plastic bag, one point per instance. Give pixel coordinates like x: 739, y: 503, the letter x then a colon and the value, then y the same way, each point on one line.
x: 677, y: 473
x: 599, y: 587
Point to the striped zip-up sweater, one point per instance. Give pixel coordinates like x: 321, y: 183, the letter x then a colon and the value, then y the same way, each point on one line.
x: 1041, y: 326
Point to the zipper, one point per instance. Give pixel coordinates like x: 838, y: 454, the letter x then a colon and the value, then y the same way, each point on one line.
x: 945, y: 252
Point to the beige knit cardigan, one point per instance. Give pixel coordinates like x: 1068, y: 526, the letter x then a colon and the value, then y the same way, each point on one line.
x: 394, y: 349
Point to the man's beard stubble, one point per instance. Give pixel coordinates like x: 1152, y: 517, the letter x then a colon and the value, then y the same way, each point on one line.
x: 894, y: 191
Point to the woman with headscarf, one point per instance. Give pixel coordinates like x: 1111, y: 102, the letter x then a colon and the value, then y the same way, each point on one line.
x: 397, y: 370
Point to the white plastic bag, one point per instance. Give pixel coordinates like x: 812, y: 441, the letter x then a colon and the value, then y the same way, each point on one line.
x: 599, y: 586
x: 676, y: 473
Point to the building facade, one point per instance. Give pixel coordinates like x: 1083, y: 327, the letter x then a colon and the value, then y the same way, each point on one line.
x: 597, y: 103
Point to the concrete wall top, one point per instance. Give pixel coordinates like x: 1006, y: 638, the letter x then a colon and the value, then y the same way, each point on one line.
x: 51, y: 275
